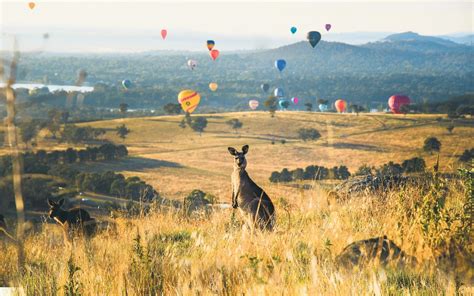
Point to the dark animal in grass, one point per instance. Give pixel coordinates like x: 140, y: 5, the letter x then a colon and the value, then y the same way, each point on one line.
x: 249, y: 196
x: 73, y: 221
x: 374, y: 250
x: 4, y: 234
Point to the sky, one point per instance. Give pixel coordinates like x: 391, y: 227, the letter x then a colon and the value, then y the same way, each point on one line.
x: 108, y: 26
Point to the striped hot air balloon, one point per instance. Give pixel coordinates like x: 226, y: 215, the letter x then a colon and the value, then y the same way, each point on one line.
x: 253, y: 104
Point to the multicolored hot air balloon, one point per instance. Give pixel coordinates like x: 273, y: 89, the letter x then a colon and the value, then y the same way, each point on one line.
x: 265, y: 87
x: 213, y: 86
x: 293, y: 30
x: 328, y: 27
x: 214, y: 54
x: 126, y: 84
x: 164, y: 33
x: 284, y: 104
x: 210, y: 44
x: 294, y: 100
x: 313, y: 37
x: 192, y: 64
x: 189, y: 100
x: 323, y: 107
x: 278, y: 92
x: 31, y: 5
x: 340, y: 105
x: 280, y: 65
x: 395, y: 102
x: 253, y: 104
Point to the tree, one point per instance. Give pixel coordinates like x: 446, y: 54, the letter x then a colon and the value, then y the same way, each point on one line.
x: 235, y: 124
x: 450, y: 128
x: 297, y: 174
x: 54, y: 122
x: 467, y: 155
x: 198, y: 124
x: 123, y: 107
x: 122, y: 131
x: 356, y: 108
x: 65, y: 117
x: 390, y: 169
x: 308, y: 134
x: 172, y: 109
x: 285, y: 175
x: 271, y: 104
x: 275, y: 177
x: 432, y: 144
x: 364, y: 170
x: 28, y: 131
x: 70, y: 155
x: 309, y: 107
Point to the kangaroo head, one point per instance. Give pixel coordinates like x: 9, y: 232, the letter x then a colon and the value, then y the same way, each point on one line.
x: 239, y: 157
x: 55, y: 208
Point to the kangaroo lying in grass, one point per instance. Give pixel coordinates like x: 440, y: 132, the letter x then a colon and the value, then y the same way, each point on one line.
x: 377, y: 249
x: 249, y: 196
x: 72, y: 220
x: 4, y: 234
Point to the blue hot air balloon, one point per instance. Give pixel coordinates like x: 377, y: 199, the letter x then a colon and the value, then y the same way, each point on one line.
x: 126, y: 84
x: 323, y: 107
x: 265, y: 87
x: 313, y: 37
x: 293, y: 30
x: 280, y: 64
x: 284, y: 104
x: 278, y: 92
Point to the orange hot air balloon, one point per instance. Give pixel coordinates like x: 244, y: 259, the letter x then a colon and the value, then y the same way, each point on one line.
x: 164, y: 33
x: 189, y: 100
x: 31, y: 5
x: 214, y: 54
x: 213, y: 86
x: 340, y: 105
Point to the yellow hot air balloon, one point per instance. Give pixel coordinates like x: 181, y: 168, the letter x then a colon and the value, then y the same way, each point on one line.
x: 189, y: 100
x: 213, y: 86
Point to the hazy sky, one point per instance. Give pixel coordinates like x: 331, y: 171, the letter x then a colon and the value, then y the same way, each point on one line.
x: 105, y: 26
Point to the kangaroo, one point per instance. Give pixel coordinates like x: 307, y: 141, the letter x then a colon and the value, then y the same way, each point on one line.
x: 73, y: 219
x: 378, y: 249
x: 4, y: 234
x: 248, y: 195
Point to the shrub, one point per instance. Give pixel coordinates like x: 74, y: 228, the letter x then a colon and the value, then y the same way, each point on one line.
x: 414, y: 165
x: 364, y: 170
x: 467, y: 155
x: 308, y: 134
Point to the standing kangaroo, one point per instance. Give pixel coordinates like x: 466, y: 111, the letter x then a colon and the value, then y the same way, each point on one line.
x: 248, y: 195
x: 70, y: 220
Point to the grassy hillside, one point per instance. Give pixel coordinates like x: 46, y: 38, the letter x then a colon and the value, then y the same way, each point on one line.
x: 175, y: 161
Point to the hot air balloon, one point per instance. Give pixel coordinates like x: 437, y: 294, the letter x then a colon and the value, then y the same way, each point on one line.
x: 265, y: 87
x: 210, y: 44
x: 164, y: 33
x: 328, y: 27
x: 278, y: 92
x: 126, y: 84
x: 397, y: 101
x: 189, y: 100
x: 213, y: 86
x: 294, y: 100
x: 280, y: 65
x: 293, y: 30
x: 284, y: 104
x: 192, y: 64
x: 214, y: 54
x: 323, y: 107
x: 253, y: 104
x: 340, y: 105
x: 313, y: 38
x: 31, y: 5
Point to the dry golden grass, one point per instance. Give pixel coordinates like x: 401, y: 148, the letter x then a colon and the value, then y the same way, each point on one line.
x: 177, y: 255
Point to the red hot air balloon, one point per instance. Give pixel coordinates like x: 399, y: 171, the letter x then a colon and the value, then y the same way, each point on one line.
x: 214, y: 54
x: 340, y: 105
x: 164, y: 33
x: 397, y: 101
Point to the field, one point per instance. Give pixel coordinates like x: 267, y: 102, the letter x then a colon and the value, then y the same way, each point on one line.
x: 171, y: 253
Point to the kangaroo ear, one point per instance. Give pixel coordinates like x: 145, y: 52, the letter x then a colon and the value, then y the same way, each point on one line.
x: 245, y: 149
x: 232, y: 151
x: 61, y: 202
x: 51, y: 203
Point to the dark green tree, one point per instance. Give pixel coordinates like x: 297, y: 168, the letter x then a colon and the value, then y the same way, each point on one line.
x: 198, y: 124
x: 271, y: 104
x: 172, y: 109
x: 122, y: 131
x: 431, y: 145
x: 235, y: 124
